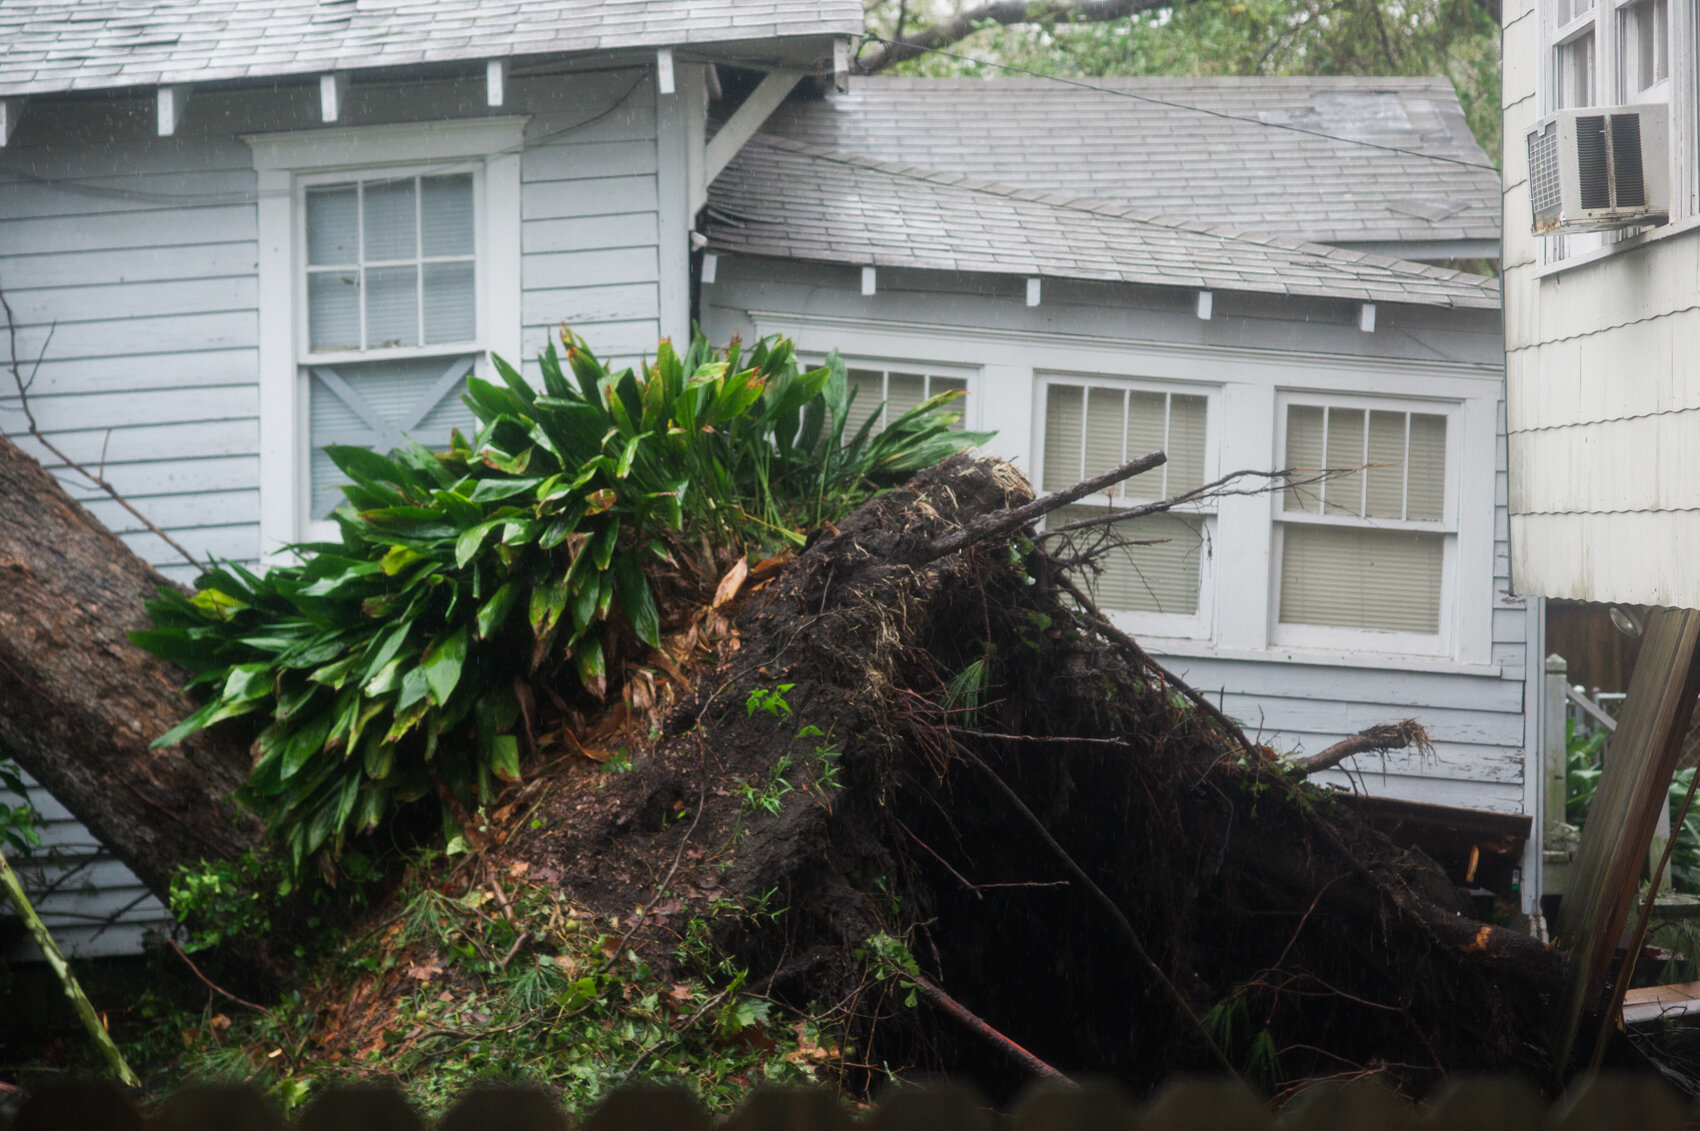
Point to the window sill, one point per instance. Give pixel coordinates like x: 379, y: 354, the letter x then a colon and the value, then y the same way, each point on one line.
x: 1286, y: 654
x: 1645, y: 239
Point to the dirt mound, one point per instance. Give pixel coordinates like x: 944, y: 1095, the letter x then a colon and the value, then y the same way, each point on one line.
x: 933, y: 771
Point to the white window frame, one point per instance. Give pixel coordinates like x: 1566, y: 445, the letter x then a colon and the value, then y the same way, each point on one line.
x: 285, y: 165
x: 1331, y: 637
x: 1679, y: 91
x: 1200, y: 624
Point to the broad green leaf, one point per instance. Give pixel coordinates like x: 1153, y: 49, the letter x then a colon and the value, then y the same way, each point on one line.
x: 637, y: 601
x: 442, y: 665
x: 504, y: 757
x: 494, y: 612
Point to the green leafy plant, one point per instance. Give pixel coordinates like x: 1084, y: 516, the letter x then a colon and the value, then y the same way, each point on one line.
x: 392, y: 665
x: 18, y: 833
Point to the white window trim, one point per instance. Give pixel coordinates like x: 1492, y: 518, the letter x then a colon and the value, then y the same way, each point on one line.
x: 1011, y: 400
x: 1329, y: 637
x: 284, y: 163
x: 1200, y: 624
x: 1680, y: 92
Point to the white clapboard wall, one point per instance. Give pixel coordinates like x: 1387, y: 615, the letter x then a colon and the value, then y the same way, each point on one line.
x: 93, y: 905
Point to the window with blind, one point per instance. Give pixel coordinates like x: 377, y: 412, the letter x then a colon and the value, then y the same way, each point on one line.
x: 886, y: 395
x: 1364, y: 548
x: 1092, y: 428
x: 391, y: 326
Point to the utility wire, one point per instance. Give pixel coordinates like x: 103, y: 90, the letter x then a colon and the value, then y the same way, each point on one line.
x: 1011, y: 67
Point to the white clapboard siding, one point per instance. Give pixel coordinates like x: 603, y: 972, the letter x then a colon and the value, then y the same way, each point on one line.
x: 147, y: 282
x: 91, y: 903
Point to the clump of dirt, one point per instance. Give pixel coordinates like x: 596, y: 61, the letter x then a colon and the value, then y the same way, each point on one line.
x: 946, y: 755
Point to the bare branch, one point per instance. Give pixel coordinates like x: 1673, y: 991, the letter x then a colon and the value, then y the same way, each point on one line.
x: 98, y: 479
x: 1215, y: 489
x: 1387, y: 736
x: 1004, y: 12
x: 1011, y: 519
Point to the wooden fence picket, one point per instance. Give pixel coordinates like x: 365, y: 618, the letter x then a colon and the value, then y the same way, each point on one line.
x: 1053, y: 1106
x: 505, y: 1109
x: 1362, y: 1104
x: 1484, y: 1103
x: 791, y: 1109
x: 1207, y: 1102
x: 931, y: 1108
x: 1604, y: 1103
x: 359, y: 1107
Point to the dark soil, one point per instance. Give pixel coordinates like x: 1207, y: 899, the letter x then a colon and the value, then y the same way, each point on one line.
x: 1305, y: 944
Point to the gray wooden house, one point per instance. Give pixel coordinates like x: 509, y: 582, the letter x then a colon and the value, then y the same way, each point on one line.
x: 1223, y: 268
x: 236, y: 231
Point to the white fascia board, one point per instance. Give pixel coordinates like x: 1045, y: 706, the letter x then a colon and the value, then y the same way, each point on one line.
x: 748, y: 118
x: 356, y: 146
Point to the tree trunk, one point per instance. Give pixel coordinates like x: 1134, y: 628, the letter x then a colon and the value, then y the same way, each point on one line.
x: 79, y: 703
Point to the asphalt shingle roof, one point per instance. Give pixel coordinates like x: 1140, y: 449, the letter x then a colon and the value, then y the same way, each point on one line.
x: 49, y: 46
x: 1147, y: 142
x: 782, y: 199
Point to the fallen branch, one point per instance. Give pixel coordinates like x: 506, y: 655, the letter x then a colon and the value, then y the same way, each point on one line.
x: 208, y: 983
x: 1386, y: 736
x: 1011, y: 519
x: 961, y: 1012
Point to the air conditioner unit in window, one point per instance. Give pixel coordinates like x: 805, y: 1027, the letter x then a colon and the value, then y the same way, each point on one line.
x: 1599, y: 169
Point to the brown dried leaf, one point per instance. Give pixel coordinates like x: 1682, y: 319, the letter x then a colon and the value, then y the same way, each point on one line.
x: 731, y: 583
x: 424, y: 971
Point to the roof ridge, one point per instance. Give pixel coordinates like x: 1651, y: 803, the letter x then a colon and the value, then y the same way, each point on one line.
x: 1124, y: 212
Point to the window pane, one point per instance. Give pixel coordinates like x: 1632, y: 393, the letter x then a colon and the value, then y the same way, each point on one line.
x: 445, y: 214
x: 395, y: 395
x: 868, y: 385
x: 1186, y: 443
x: 1145, y: 427
x: 1160, y: 577
x: 1065, y: 407
x: 903, y: 391
x: 960, y: 404
x: 450, y: 303
x: 333, y: 226
x: 1427, y: 488
x: 1361, y: 578
x: 1576, y: 71
x: 1304, y: 454
x: 392, y: 307
x: 333, y: 310
x: 390, y: 220
x: 1103, y: 430
x: 1343, y: 494
x: 1386, y: 473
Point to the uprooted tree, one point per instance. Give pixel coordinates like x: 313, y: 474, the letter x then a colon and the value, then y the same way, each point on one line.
x: 909, y: 732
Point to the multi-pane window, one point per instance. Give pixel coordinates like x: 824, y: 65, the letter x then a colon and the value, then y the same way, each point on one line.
x: 391, y: 272
x: 1643, y: 46
x: 889, y: 395
x: 1092, y: 428
x: 1364, y: 533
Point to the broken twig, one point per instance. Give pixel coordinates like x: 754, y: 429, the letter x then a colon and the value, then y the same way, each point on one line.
x: 1387, y: 736
x: 961, y: 1012
x: 1011, y: 519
